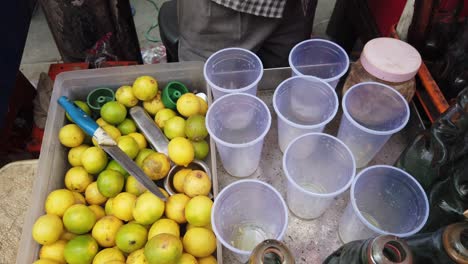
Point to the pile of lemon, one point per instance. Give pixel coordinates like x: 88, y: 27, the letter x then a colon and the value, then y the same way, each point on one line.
x: 104, y: 215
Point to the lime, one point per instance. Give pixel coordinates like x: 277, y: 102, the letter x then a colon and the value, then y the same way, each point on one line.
x: 133, y: 186
x: 163, y: 249
x: 195, y: 128
x: 47, y: 229
x: 98, y: 211
x: 145, y: 88
x: 125, y: 96
x: 74, y: 155
x: 94, y: 160
x: 114, y: 165
x: 109, y: 255
x: 148, y: 208
x: 174, y: 127
x: 140, y: 139
x: 162, y: 226
x: 154, y: 105
x: 93, y: 196
x: 113, y: 112
x: 198, y: 211
x: 77, y: 179
x: 79, y: 219
x: 142, y: 156
x: 71, y: 136
x: 110, y: 183
x: 127, y: 126
x: 58, y: 201
x: 156, y: 166
x: 162, y: 116
x: 131, y: 237
x: 179, y: 179
x: 199, y: 242
x: 128, y: 145
x: 105, y: 229
x: 122, y: 206
x: 181, y: 151
x: 83, y: 106
x: 81, y: 250
x: 137, y: 257
x: 108, y: 207
x: 188, y: 105
x: 201, y: 149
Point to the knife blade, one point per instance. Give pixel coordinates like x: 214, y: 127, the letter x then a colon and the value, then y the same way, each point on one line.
x: 90, y: 127
x: 153, y: 134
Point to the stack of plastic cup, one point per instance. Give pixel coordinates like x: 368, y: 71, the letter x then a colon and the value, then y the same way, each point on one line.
x: 303, y: 104
x: 318, y: 167
x: 372, y: 112
x: 238, y: 124
x: 384, y: 200
x: 233, y: 70
x: 247, y: 212
x: 320, y: 58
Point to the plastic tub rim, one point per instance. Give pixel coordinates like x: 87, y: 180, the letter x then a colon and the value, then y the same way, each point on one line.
x: 241, y: 145
x: 271, y: 188
x: 381, y: 231
x: 337, y: 77
x: 296, y: 125
x: 238, y: 90
x: 373, y: 131
x: 314, y: 194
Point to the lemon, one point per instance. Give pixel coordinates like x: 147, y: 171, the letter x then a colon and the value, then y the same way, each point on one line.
x: 145, y: 88
x: 105, y: 230
x: 133, y: 186
x: 196, y: 183
x: 77, y: 179
x: 142, y: 156
x: 81, y: 249
x: 113, y: 112
x: 83, y: 106
x: 45, y: 261
x: 98, y: 211
x: 199, y: 242
x: 163, y: 192
x: 207, y: 260
x: 67, y: 236
x: 108, y: 206
x: 148, y: 208
x: 112, y: 131
x: 198, y: 211
x: 107, y: 255
x: 101, y: 122
x: 162, y: 116
x: 58, y: 201
x: 162, y: 226
x: 127, y: 126
x: 137, y: 257
x: 195, y: 128
x: 47, y: 229
x: 94, y: 160
x: 125, y: 96
x: 53, y: 251
x: 201, y: 149
x: 110, y: 183
x: 179, y: 179
x: 71, y: 135
x: 188, y: 105
x: 79, y: 219
x: 140, y: 139
x: 175, y: 207
x: 156, y: 166
x: 187, y: 259
x: 114, y: 165
x: 131, y: 237
x: 122, y: 206
x: 163, y: 249
x: 79, y: 199
x: 128, y: 145
x: 190, y: 226
x: 174, y: 127
x: 154, y: 105
x: 74, y: 155
x: 93, y: 196
x: 203, y: 106
x: 181, y: 151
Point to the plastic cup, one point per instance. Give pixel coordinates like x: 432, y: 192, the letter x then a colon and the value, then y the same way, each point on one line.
x: 319, y: 167
x: 372, y: 112
x: 238, y: 124
x: 384, y: 201
x: 247, y: 212
x: 233, y: 70
x: 320, y: 58
x: 303, y: 104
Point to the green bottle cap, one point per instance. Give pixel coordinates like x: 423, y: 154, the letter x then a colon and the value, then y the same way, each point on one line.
x: 98, y: 97
x: 172, y: 92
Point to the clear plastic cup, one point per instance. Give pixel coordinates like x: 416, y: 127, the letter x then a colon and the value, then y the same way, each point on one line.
x: 372, y: 112
x: 303, y: 104
x: 238, y: 124
x: 247, y: 212
x: 320, y: 58
x: 384, y: 201
x: 319, y: 167
x: 233, y: 70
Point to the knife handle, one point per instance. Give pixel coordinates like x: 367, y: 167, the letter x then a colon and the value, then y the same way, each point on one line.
x: 78, y: 116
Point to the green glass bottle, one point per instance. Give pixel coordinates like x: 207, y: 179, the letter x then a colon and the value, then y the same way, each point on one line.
x: 271, y: 251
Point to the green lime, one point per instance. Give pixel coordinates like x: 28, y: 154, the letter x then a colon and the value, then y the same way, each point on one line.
x: 195, y: 128
x: 113, y: 112
x: 174, y: 127
x: 142, y: 156
x: 110, y: 183
x: 128, y: 145
x: 114, y: 165
x: 81, y: 250
x: 201, y: 149
x: 127, y: 126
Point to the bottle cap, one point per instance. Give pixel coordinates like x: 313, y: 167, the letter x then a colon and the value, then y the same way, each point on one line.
x: 98, y: 97
x: 172, y: 92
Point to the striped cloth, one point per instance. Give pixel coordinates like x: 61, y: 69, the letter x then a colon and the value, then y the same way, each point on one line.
x: 265, y: 8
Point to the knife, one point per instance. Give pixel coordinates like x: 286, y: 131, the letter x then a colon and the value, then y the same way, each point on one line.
x: 153, y: 134
x: 108, y: 144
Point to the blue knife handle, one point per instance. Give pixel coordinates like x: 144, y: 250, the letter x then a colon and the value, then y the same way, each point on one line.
x: 78, y: 116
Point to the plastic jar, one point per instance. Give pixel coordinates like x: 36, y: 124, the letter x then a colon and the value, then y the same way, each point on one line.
x: 388, y: 61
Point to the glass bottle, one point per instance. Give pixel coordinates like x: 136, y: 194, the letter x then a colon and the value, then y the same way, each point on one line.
x: 385, y: 249
x: 447, y: 245
x: 271, y: 251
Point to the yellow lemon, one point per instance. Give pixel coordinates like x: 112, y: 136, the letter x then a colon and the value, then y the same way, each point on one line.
x: 181, y: 151
x: 145, y: 88
x: 133, y: 186
x: 77, y: 179
x: 179, y: 179
x: 207, y: 260
x: 47, y: 229
x: 105, y: 230
x: 79, y: 198
x: 53, y: 251
x: 188, y: 104
x: 71, y: 136
x: 98, y: 211
x: 175, y: 207
x: 154, y: 105
x: 94, y: 160
x: 156, y: 166
x: 142, y: 156
x: 186, y: 258
x: 122, y: 206
x: 162, y: 226
x: 198, y: 211
x: 140, y: 140
x: 199, y: 242
x: 137, y: 257
x: 109, y: 255
x: 58, y: 201
x: 162, y: 116
x: 148, y: 208
x: 196, y: 183
x: 125, y: 96
x: 203, y: 106
x: 93, y: 196
x: 74, y: 155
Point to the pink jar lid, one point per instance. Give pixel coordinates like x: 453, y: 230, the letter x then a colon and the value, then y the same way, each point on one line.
x: 390, y: 59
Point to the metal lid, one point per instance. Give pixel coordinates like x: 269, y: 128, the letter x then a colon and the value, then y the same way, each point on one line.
x: 390, y: 59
